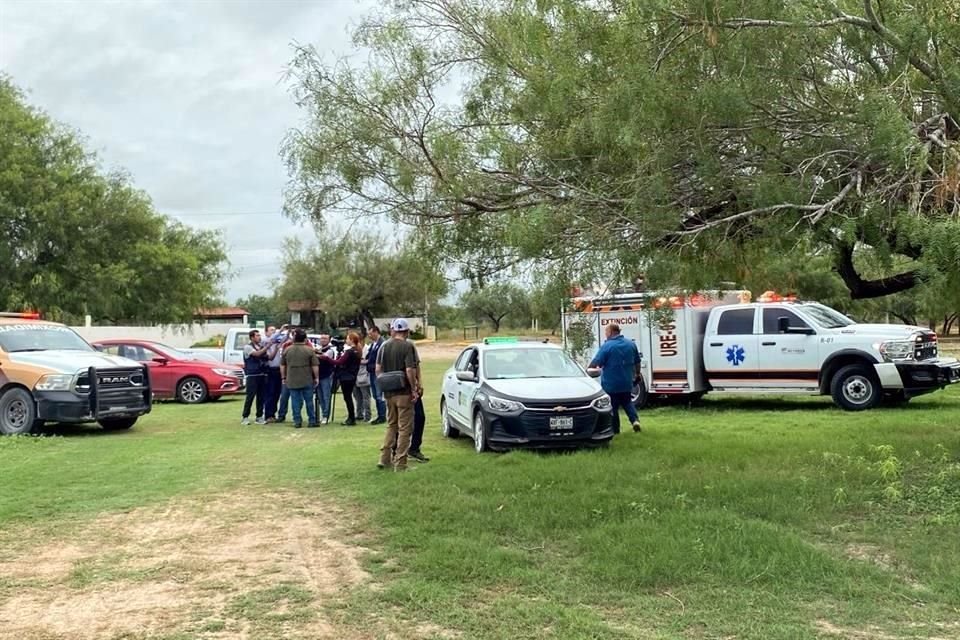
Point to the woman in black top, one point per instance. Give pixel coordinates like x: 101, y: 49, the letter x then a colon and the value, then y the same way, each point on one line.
x: 348, y: 365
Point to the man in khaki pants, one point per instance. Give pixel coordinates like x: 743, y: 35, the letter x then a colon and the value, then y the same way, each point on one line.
x: 398, y: 358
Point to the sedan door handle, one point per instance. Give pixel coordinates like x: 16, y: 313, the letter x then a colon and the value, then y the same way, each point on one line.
x: 716, y: 344
x: 769, y: 344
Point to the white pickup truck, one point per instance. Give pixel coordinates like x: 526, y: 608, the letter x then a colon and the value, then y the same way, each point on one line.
x: 719, y: 342
x: 233, y: 344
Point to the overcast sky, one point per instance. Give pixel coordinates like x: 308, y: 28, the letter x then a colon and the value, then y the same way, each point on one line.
x: 188, y: 96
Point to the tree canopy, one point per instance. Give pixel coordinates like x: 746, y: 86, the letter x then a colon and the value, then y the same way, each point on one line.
x: 495, y: 302
x: 698, y: 142
x: 75, y: 240
x: 360, y: 276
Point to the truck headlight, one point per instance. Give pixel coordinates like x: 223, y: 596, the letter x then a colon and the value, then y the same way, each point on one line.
x: 54, y: 382
x: 603, y: 403
x: 502, y: 405
x: 896, y: 350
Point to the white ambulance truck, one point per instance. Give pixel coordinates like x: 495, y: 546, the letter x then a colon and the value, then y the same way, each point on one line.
x: 724, y: 342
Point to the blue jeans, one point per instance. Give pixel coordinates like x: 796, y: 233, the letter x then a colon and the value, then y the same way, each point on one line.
x: 378, y: 398
x: 622, y: 400
x: 284, y: 403
x: 300, y: 397
x: 325, y: 393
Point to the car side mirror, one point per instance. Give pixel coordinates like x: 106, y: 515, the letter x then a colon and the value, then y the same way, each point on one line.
x: 783, y: 326
x: 466, y: 376
x: 593, y: 372
x: 161, y: 360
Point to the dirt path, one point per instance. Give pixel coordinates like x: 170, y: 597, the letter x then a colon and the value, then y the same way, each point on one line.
x: 231, y: 566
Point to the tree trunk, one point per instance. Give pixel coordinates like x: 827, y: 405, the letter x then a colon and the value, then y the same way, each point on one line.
x: 904, y: 319
x: 367, y: 321
x: 948, y: 323
x: 860, y: 288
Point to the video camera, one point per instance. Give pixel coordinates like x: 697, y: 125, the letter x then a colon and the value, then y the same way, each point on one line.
x: 338, y: 344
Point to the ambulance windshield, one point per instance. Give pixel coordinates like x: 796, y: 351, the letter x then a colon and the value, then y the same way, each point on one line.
x: 505, y: 364
x: 826, y: 317
x: 20, y: 338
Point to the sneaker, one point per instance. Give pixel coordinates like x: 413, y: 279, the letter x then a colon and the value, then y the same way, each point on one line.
x: 281, y: 419
x: 325, y: 421
x: 271, y: 420
x: 297, y: 425
x: 419, y: 457
x: 261, y: 421
x: 381, y: 466
x: 349, y: 423
x: 636, y: 427
x: 379, y: 421
x: 245, y: 422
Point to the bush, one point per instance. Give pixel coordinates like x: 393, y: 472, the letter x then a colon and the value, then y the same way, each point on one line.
x: 211, y: 342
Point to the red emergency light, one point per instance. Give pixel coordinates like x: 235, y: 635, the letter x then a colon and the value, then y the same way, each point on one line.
x: 22, y: 315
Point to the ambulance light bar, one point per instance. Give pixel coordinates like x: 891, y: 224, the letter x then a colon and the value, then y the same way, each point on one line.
x: 773, y: 296
x: 26, y: 315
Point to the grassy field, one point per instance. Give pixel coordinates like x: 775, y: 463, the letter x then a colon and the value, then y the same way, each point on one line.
x: 731, y: 519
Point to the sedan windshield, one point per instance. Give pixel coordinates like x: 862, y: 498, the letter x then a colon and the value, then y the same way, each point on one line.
x: 826, y: 317
x: 504, y: 364
x: 18, y: 338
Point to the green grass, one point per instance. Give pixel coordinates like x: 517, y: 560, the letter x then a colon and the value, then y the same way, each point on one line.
x: 735, y: 518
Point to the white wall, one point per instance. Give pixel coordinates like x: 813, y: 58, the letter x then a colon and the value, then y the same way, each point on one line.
x: 177, y: 336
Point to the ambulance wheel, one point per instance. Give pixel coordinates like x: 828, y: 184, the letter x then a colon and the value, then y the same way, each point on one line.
x: 640, y: 395
x: 18, y: 413
x: 856, y: 388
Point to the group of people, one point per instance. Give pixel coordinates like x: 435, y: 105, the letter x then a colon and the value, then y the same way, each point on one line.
x: 283, y: 368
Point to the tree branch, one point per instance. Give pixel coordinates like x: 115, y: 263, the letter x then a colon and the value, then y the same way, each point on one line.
x: 861, y: 289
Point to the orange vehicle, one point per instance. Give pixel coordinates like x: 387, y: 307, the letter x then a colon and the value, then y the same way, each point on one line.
x: 48, y: 373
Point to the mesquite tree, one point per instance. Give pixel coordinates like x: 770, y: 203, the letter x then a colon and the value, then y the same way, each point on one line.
x: 696, y: 141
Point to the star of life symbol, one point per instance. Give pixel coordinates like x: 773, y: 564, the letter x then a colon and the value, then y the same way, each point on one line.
x: 736, y: 355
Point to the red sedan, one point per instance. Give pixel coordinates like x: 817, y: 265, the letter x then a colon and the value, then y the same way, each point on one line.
x: 177, y: 375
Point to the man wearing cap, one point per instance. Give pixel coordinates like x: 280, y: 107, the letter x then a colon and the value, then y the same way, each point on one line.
x: 397, y: 369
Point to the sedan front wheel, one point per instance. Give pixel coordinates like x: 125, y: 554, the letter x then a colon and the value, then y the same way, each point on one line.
x: 192, y: 391
x: 480, y: 436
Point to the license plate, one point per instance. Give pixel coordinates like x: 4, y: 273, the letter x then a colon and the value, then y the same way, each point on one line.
x: 561, y: 423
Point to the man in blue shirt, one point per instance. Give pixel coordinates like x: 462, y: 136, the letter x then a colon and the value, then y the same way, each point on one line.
x: 619, y: 362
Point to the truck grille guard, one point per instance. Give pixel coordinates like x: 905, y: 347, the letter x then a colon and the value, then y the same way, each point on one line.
x: 119, y: 388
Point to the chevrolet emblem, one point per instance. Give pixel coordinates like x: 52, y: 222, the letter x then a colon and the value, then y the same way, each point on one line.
x: 558, y: 409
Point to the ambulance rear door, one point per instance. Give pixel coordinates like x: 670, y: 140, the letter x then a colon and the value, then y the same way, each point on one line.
x: 671, y: 344
x: 634, y: 328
